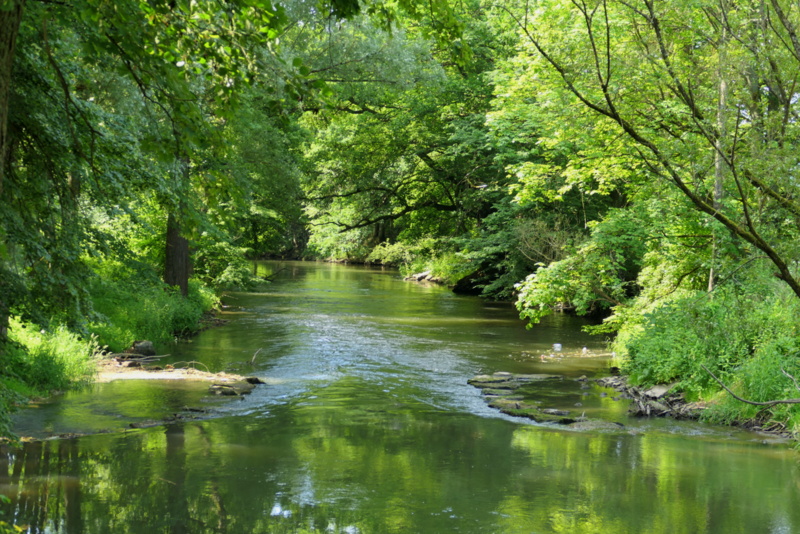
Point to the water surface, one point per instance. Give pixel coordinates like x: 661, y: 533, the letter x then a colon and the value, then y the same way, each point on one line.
x: 367, y: 425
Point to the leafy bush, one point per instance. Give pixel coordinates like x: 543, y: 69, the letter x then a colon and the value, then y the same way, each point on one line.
x: 598, y: 275
x: 399, y: 254
x: 36, y: 362
x: 745, y: 339
x: 767, y: 375
x: 680, y: 336
x: 7, y: 400
x: 450, y: 267
x: 222, y: 265
x: 434, y: 255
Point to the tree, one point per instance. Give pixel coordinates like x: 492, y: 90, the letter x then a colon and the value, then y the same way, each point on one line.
x: 10, y: 18
x: 401, y: 155
x: 650, y: 72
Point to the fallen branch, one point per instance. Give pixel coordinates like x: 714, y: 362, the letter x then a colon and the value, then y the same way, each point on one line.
x: 755, y: 403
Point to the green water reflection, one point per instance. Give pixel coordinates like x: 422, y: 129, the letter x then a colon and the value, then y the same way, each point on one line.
x: 367, y: 426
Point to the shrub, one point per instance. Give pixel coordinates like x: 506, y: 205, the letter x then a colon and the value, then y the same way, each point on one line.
x: 7, y: 401
x: 52, y: 359
x: 398, y: 254
x: 222, y: 265
x: 745, y: 339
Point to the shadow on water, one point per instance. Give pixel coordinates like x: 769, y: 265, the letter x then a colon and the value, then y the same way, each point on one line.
x: 367, y: 425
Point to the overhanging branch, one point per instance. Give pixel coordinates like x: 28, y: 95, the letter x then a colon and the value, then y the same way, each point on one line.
x: 755, y: 403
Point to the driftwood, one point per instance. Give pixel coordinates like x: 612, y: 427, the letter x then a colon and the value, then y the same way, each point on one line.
x: 755, y: 403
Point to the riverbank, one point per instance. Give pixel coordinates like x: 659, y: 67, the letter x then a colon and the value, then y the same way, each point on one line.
x: 129, y: 368
x: 657, y: 401
x: 663, y: 401
x: 551, y: 399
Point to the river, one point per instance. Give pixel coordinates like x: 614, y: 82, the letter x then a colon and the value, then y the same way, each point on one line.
x: 367, y: 425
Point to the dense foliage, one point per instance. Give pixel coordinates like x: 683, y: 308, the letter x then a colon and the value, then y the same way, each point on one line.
x: 634, y: 161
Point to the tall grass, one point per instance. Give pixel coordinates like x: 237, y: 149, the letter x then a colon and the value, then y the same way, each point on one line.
x: 47, y: 360
x: 36, y: 361
x: 128, y: 310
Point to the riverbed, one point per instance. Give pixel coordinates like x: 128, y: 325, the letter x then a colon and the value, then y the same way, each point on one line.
x: 366, y: 424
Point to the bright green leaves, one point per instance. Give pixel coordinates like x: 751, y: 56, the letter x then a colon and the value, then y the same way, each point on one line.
x: 186, y: 43
x: 598, y: 275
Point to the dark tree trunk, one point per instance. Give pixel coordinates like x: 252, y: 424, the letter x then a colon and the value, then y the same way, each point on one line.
x: 177, y: 261
x: 3, y: 324
x: 177, y: 265
x: 9, y: 28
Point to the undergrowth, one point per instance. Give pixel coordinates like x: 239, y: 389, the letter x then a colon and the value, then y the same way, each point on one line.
x: 36, y: 362
x: 749, y: 339
x: 130, y: 304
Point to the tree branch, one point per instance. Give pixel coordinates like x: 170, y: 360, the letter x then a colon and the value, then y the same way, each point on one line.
x: 754, y: 403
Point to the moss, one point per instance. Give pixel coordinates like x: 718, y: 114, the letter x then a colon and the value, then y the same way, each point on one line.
x: 529, y: 411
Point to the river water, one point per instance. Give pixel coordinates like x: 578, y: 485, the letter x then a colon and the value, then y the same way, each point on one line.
x: 367, y: 425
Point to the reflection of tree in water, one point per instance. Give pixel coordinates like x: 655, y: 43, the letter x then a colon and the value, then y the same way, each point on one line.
x: 44, y: 486
x: 213, y: 489
x: 379, y: 465
x: 175, y: 479
x: 59, y: 486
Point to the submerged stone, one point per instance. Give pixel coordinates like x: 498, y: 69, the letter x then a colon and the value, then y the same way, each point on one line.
x: 232, y: 390
x: 529, y: 411
x: 510, y: 394
x: 597, y: 426
x: 508, y: 381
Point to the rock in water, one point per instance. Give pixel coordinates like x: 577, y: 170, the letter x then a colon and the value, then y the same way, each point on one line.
x: 145, y: 348
x: 253, y: 380
x: 223, y: 390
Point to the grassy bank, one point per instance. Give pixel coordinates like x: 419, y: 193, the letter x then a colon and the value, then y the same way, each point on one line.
x: 37, y: 362
x: 749, y: 337
x: 40, y: 360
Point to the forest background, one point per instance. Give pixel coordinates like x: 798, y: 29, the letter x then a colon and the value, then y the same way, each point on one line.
x: 633, y: 161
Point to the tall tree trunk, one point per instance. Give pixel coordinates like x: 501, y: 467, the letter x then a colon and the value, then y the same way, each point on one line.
x: 10, y: 18
x: 177, y: 264
x: 177, y: 261
x: 720, y: 166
